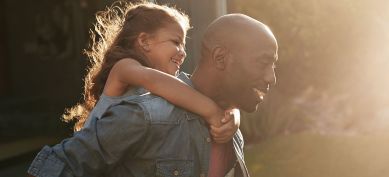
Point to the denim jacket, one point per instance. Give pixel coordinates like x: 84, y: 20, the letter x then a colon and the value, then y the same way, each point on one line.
x: 142, y: 136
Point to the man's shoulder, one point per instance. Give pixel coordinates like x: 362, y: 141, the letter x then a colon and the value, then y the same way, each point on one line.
x: 154, y: 108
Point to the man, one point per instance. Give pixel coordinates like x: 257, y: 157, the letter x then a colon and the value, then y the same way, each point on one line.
x: 236, y: 66
x: 147, y: 136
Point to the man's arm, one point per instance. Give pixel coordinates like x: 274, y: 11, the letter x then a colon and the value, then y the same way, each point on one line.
x: 94, y: 149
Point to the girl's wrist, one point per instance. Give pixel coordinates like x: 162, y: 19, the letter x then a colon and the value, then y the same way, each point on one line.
x: 215, y: 117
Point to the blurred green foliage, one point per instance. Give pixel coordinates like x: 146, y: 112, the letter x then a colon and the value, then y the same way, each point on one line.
x: 333, y: 68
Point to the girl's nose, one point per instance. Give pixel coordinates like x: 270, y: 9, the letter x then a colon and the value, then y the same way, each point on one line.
x: 182, y: 53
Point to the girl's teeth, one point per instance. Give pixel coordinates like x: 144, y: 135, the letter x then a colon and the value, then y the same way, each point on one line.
x: 175, y: 61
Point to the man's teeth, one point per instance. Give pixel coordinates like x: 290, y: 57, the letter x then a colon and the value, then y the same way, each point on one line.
x: 259, y: 93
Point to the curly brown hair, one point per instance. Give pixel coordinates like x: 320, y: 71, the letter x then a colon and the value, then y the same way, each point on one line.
x: 112, y: 39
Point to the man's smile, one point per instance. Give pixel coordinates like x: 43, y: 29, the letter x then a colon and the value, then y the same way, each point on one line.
x: 259, y: 94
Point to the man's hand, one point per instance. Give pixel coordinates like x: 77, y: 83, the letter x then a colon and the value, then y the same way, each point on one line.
x: 231, y: 123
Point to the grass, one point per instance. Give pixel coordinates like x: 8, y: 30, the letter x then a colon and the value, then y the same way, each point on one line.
x: 312, y: 155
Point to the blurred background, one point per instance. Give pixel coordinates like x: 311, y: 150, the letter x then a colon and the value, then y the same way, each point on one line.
x: 328, y: 115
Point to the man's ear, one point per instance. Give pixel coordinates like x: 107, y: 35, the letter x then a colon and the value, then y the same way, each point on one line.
x: 143, y: 41
x: 219, y: 56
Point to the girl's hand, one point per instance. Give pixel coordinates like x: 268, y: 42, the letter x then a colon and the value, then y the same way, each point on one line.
x: 230, y: 124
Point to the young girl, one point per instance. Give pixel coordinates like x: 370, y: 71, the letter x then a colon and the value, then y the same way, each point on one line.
x: 142, y: 46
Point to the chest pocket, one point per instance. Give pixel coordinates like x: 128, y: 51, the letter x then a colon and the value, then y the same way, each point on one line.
x: 174, y: 168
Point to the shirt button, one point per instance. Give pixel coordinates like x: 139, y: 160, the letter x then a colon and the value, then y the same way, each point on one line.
x: 176, y: 173
x: 209, y: 140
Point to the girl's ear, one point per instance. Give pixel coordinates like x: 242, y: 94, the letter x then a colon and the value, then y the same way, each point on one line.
x: 143, y: 41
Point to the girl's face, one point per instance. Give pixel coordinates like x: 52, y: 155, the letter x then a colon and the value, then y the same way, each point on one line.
x: 166, y: 49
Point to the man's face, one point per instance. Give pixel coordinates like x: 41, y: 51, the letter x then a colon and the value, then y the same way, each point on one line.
x: 251, y: 73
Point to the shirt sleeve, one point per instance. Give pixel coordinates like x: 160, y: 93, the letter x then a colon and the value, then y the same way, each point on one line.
x: 96, y: 148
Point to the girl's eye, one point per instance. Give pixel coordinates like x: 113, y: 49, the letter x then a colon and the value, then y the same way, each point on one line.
x: 177, y: 43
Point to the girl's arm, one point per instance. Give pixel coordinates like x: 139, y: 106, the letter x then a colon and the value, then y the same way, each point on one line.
x: 129, y: 72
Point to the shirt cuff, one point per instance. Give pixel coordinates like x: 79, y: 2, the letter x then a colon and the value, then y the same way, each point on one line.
x: 46, y: 164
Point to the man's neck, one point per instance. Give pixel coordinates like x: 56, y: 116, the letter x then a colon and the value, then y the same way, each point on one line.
x: 208, y: 85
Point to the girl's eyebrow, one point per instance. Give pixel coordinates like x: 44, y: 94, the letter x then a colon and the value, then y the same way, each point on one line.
x: 179, y: 37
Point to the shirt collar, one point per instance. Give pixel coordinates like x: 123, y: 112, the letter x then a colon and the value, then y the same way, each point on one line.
x: 184, y: 77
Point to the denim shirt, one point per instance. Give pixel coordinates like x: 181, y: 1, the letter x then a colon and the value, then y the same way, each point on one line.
x: 142, y: 136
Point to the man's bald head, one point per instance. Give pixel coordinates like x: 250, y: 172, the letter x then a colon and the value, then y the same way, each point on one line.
x: 234, y: 31
x: 236, y: 67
